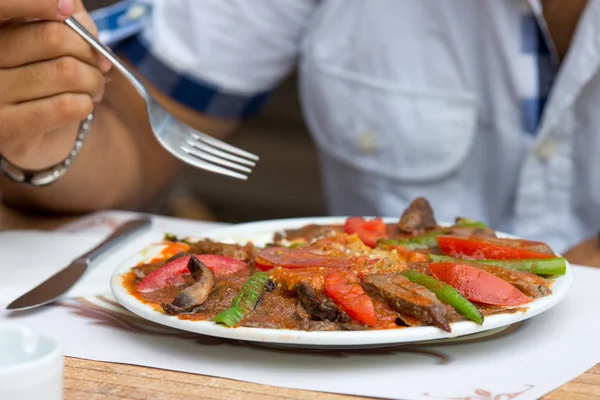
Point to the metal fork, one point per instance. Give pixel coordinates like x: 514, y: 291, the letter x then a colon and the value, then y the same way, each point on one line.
x: 187, y: 144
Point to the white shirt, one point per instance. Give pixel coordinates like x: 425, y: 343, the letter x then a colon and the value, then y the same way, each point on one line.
x: 406, y: 98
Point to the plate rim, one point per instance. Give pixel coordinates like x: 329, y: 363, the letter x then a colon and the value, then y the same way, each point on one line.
x: 322, y: 338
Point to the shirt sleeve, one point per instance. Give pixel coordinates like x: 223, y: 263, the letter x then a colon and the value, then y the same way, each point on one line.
x: 220, y: 57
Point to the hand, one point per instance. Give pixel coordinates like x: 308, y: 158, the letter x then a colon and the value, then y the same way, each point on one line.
x: 49, y: 80
x: 585, y: 253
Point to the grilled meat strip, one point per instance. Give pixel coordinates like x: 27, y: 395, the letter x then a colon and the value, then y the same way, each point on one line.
x: 319, y: 306
x: 409, y: 298
x: 418, y: 217
x: 243, y: 253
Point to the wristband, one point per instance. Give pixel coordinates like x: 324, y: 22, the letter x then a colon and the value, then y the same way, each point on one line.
x: 49, y: 175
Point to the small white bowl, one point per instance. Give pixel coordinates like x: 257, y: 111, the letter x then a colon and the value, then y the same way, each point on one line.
x: 31, y: 365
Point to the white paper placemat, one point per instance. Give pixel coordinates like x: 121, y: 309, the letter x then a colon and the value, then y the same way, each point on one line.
x: 524, y: 362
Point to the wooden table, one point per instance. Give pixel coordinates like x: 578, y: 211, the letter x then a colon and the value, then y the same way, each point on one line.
x: 92, y: 380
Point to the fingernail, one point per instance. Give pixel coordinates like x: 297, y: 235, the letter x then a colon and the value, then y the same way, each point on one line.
x: 105, y: 65
x: 98, y: 97
x: 66, y: 7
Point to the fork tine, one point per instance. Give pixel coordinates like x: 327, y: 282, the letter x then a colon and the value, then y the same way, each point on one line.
x: 189, y: 158
x: 205, y: 147
x: 223, y: 146
x: 198, y: 152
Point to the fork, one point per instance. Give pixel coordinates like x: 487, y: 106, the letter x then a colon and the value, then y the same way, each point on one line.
x: 187, y: 144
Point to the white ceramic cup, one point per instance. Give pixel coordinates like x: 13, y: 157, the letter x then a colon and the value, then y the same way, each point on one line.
x: 31, y: 365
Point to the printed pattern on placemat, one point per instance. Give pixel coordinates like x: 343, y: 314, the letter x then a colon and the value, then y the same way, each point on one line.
x: 481, y: 394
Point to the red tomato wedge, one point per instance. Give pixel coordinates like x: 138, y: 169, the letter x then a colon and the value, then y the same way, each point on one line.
x: 368, y: 231
x: 170, y: 274
x: 296, y: 258
x: 345, y: 291
x: 174, y: 272
x: 478, y: 285
x: 479, y: 250
x: 221, y: 265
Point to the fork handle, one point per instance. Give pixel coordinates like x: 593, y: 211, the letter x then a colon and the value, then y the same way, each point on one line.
x: 106, y: 52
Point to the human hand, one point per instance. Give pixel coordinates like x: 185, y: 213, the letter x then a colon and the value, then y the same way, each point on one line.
x: 49, y: 80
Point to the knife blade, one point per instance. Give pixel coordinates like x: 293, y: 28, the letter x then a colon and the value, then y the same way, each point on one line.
x: 62, y: 281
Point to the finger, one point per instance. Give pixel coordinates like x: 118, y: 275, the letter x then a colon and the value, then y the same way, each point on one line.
x: 86, y: 20
x: 27, y: 121
x: 50, y: 78
x: 41, y: 41
x: 42, y: 9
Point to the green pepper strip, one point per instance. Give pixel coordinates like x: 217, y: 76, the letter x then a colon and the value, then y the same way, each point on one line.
x: 245, y: 301
x: 425, y: 241
x: 544, y: 266
x: 470, y: 223
x: 446, y: 294
x: 169, y: 237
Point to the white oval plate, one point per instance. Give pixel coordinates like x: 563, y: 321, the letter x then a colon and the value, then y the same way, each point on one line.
x: 262, y: 232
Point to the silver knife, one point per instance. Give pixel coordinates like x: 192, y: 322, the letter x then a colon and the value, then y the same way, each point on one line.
x: 63, y: 280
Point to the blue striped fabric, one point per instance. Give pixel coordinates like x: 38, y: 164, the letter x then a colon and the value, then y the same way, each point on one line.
x: 534, y: 44
x: 118, y: 26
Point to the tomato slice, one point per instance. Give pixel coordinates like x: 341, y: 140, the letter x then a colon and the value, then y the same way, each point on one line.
x: 479, y: 250
x: 221, y: 265
x: 345, y: 291
x: 478, y: 285
x: 368, y: 231
x: 296, y: 258
x: 174, y: 272
x: 170, y: 274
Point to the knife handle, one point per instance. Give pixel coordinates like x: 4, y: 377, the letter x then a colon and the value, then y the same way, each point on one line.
x: 118, y: 236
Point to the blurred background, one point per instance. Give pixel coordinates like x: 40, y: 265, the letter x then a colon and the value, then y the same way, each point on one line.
x: 285, y: 183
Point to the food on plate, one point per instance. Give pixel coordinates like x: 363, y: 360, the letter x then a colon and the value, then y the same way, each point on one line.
x: 364, y: 274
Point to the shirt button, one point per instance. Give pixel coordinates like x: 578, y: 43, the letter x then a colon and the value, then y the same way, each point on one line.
x: 135, y: 12
x: 367, y: 141
x: 545, y: 150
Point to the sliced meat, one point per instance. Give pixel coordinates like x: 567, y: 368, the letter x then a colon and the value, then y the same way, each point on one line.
x: 409, y: 320
x: 319, y: 306
x: 418, y: 217
x: 289, y: 279
x: 243, y: 253
x: 141, y: 271
x: 466, y: 233
x: 193, y: 296
x: 309, y: 232
x: 409, y: 298
x: 310, y: 325
x: 530, y: 284
x: 277, y: 311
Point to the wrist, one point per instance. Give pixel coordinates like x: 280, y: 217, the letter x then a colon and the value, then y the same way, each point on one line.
x: 43, y: 152
x: 38, y: 177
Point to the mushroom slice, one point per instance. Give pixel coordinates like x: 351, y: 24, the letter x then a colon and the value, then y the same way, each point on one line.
x: 193, y: 296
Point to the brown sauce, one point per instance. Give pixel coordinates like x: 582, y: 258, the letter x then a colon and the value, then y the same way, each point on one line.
x: 281, y: 309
